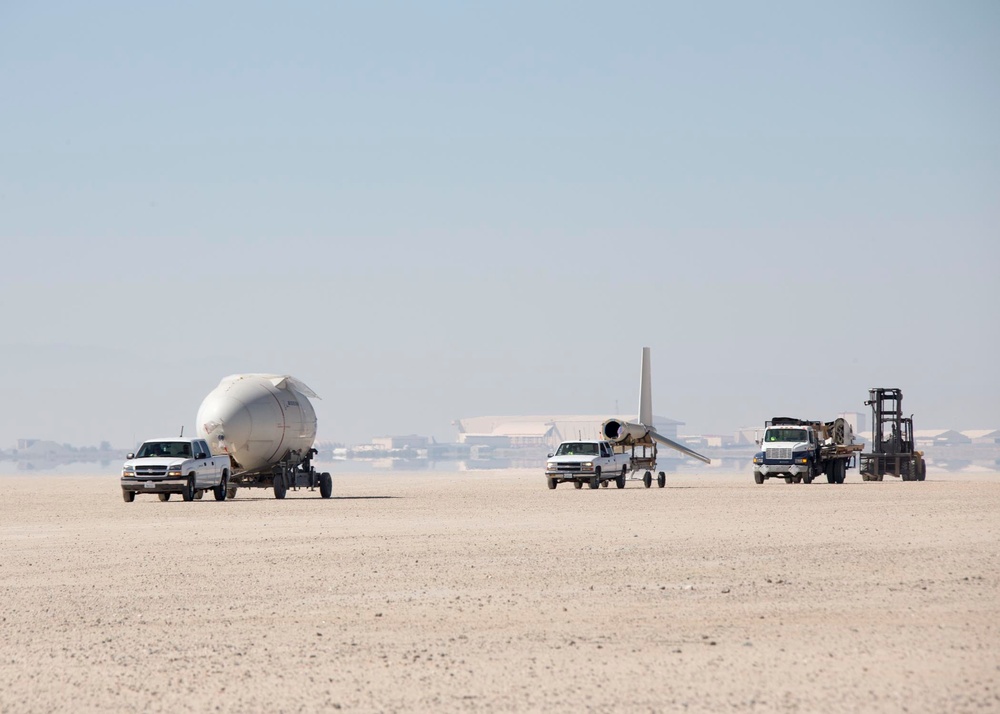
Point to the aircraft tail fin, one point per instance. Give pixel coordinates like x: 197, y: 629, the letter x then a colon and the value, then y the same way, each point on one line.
x: 645, y: 391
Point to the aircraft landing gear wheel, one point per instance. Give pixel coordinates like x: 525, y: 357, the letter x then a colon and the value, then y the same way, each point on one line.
x: 647, y: 479
x: 578, y: 484
x: 279, y: 486
x: 325, y: 485
x: 188, y: 493
x: 661, y: 480
x: 164, y: 496
x: 552, y: 484
x: 222, y: 489
x: 128, y: 496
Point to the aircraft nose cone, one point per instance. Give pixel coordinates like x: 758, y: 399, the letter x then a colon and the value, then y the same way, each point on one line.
x: 225, y: 423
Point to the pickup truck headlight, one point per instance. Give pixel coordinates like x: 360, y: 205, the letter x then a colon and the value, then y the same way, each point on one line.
x: 174, y: 470
x: 551, y: 465
x: 587, y: 464
x: 128, y: 471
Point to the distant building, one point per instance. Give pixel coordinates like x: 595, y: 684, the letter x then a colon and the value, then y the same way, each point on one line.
x: 393, y: 443
x: 939, y: 437
x: 706, y: 441
x: 516, y: 434
x: 42, y: 450
x: 983, y: 436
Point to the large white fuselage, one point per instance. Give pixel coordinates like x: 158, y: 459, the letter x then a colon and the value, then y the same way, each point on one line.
x: 259, y: 420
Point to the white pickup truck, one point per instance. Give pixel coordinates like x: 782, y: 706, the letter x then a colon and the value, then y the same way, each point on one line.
x: 591, y: 462
x: 175, y: 465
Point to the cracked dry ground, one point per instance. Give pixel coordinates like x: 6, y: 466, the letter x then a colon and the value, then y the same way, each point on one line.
x: 486, y: 591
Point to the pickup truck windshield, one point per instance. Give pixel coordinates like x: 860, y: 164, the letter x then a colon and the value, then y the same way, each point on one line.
x: 164, y: 448
x: 786, y: 435
x: 576, y: 449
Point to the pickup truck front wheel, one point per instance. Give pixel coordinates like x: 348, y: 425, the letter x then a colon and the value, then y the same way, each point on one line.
x: 128, y: 496
x: 188, y: 493
x: 595, y: 480
x: 220, y: 491
x: 552, y: 483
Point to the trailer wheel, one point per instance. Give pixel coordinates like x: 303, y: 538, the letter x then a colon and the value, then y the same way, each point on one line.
x: 128, y: 496
x: 647, y: 479
x: 620, y: 481
x: 188, y: 493
x: 221, y: 490
x: 552, y: 483
x: 325, y: 485
x: 279, y: 486
x: 921, y: 470
x: 841, y: 471
x: 231, y: 493
x: 789, y: 479
x: 164, y: 496
x: 578, y: 484
x: 661, y: 480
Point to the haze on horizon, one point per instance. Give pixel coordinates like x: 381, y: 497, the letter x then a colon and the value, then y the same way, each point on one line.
x: 432, y: 211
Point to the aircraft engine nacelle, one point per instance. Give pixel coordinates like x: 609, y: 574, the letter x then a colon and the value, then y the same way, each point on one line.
x: 618, y: 431
x: 259, y: 420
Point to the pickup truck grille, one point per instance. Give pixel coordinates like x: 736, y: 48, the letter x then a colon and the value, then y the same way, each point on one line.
x: 568, y: 467
x: 776, y: 453
x: 150, y: 470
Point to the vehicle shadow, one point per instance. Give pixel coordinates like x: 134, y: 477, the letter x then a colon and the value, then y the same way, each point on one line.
x: 309, y: 498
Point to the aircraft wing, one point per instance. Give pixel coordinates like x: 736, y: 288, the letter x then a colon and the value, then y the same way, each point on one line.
x: 679, y: 447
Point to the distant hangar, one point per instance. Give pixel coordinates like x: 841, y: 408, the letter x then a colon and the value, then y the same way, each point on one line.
x: 544, y: 430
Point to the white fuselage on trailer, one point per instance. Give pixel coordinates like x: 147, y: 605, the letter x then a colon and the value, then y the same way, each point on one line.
x: 259, y: 420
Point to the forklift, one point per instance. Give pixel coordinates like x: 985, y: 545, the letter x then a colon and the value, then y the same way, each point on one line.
x: 892, y: 449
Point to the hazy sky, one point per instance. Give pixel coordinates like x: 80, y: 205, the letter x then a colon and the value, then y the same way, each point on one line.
x: 433, y: 210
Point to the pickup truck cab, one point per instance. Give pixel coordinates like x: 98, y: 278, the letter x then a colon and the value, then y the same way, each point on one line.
x: 590, y: 462
x: 175, y: 465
